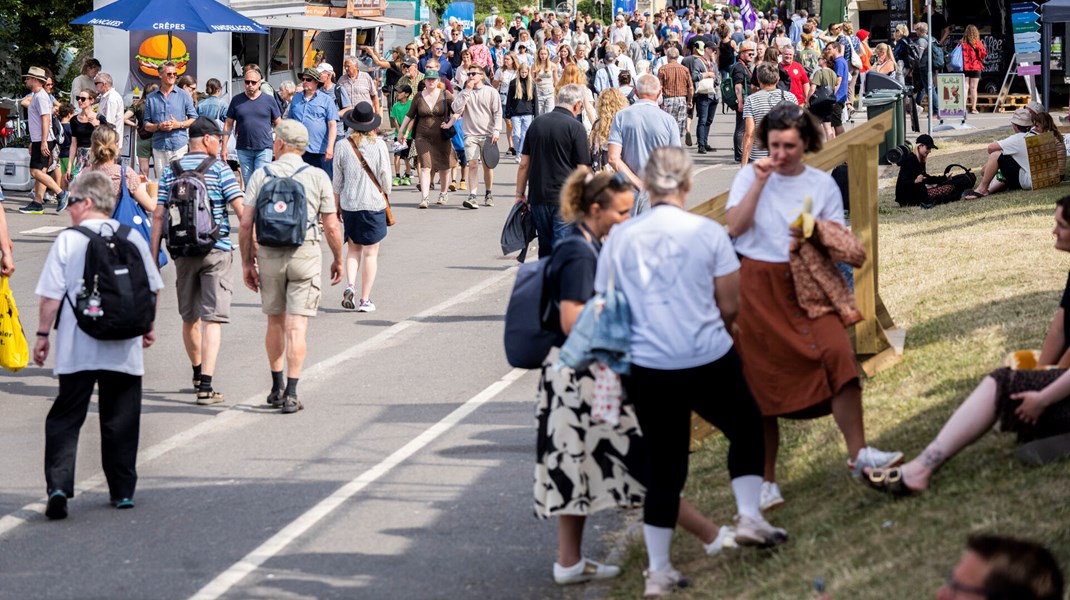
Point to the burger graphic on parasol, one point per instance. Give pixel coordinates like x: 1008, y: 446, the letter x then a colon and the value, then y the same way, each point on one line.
x: 153, y: 53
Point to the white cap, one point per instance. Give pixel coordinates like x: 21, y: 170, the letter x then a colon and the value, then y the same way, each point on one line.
x: 325, y: 66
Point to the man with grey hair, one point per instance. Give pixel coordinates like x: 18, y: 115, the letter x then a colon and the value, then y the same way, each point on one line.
x: 677, y: 88
x: 560, y: 143
x: 636, y: 131
x: 83, y: 362
x: 288, y: 278
x: 110, y: 107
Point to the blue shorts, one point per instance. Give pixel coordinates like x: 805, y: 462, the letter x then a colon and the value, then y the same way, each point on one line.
x: 461, y: 158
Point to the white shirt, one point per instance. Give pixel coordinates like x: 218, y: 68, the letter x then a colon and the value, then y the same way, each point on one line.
x: 75, y: 350
x: 780, y: 203
x: 111, y: 108
x: 1014, y: 146
x: 665, y: 261
x: 621, y: 34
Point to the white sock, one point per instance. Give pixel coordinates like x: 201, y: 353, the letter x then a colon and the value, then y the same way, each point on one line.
x: 658, y: 540
x: 748, y: 491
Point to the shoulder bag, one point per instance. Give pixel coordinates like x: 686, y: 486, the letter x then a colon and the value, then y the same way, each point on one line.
x: 389, y: 213
x: 449, y: 132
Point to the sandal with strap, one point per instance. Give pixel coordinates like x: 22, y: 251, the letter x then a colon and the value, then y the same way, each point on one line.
x: 888, y: 481
x: 972, y: 195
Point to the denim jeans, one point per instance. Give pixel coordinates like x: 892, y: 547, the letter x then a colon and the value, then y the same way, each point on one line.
x: 251, y: 160
x: 520, y: 130
x: 705, y: 108
x: 549, y: 226
x: 737, y: 137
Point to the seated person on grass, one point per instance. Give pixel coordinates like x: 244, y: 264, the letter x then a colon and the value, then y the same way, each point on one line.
x: 915, y: 187
x: 1043, y: 123
x: 1009, y: 157
x: 1034, y: 404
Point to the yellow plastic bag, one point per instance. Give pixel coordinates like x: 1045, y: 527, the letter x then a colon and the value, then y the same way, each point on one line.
x: 14, y: 352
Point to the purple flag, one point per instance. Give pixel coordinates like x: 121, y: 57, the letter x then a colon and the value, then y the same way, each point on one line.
x: 750, y: 19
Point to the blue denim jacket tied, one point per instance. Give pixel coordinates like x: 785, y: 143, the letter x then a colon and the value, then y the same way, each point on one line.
x: 602, y: 333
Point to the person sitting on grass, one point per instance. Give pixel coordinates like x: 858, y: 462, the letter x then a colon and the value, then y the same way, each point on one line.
x: 1008, y: 157
x: 1032, y: 403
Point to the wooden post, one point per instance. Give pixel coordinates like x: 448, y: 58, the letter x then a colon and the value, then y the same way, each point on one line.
x: 862, y: 172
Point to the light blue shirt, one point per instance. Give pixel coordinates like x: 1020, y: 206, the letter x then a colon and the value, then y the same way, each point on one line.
x: 665, y: 262
x: 639, y: 129
x: 315, y: 114
x: 158, y: 109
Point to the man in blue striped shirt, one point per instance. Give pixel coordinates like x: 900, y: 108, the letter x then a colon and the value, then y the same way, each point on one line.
x: 204, y: 283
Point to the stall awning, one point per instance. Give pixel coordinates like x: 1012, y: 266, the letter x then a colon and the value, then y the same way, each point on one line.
x: 394, y: 21
x: 308, y: 22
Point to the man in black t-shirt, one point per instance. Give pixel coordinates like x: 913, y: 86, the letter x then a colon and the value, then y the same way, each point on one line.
x: 741, y: 83
x: 454, y: 47
x: 559, y: 141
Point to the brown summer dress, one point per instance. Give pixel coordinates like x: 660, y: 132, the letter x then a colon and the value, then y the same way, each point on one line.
x: 434, y: 152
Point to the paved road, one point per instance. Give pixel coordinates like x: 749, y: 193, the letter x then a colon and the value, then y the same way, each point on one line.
x: 407, y: 476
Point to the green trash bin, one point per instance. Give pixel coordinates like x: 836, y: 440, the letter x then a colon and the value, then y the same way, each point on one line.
x: 880, y: 102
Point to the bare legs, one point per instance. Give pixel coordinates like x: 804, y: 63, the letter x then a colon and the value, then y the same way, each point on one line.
x: 425, y: 182
x: 973, y: 81
x: 202, y: 339
x: 356, y: 257
x: 975, y: 416
x: 988, y: 184
x: 286, y: 338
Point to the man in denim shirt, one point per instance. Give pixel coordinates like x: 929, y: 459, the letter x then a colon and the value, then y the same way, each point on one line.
x: 316, y: 110
x: 169, y: 111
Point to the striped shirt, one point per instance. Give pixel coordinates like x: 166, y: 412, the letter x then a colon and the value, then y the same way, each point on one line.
x: 351, y: 182
x: 756, y: 106
x: 222, y: 190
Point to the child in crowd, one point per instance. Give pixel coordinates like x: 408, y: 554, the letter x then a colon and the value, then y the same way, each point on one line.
x: 462, y: 160
x: 401, y: 147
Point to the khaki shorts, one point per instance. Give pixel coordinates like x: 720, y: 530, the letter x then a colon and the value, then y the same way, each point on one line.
x: 290, y: 279
x: 205, y: 286
x: 473, y: 148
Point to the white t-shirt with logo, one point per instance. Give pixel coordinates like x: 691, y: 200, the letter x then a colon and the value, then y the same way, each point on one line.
x: 665, y: 261
x: 780, y: 203
x: 74, y: 350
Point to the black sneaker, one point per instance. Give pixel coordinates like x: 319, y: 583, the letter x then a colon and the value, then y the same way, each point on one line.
x: 276, y: 399
x: 57, y: 506
x: 33, y: 208
x: 123, y: 503
x: 291, y: 405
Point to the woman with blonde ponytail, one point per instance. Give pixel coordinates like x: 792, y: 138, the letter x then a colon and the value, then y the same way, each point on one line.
x: 584, y: 466
x: 104, y: 149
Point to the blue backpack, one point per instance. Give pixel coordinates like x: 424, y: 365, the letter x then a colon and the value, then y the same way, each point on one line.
x: 281, y: 215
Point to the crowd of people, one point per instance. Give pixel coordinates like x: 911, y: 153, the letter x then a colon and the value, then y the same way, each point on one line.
x: 600, y: 119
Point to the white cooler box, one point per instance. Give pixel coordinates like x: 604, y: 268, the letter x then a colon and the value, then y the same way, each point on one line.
x: 15, y: 169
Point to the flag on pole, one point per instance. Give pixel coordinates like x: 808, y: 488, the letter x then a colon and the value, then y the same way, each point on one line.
x: 750, y: 19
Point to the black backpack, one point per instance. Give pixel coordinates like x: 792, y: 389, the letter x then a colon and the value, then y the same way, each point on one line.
x: 190, y: 226
x: 914, y: 55
x: 115, y: 301
x: 281, y: 211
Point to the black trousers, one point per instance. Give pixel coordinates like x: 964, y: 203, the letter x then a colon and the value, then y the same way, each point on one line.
x: 120, y: 423
x: 737, y: 137
x: 663, y: 403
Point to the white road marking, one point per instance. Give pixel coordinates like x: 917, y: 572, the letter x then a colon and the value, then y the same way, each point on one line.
x: 273, y: 546
x: 225, y: 417
x: 45, y: 230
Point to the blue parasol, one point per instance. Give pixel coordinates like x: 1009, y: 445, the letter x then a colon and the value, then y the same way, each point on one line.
x: 199, y: 16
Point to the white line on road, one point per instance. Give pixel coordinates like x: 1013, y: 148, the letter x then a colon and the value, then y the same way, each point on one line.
x: 15, y: 518
x: 252, y: 561
x: 45, y: 230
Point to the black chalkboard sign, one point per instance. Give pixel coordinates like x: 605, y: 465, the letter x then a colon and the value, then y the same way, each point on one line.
x: 898, y: 12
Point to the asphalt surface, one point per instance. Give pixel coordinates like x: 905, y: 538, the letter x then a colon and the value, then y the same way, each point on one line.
x: 408, y: 475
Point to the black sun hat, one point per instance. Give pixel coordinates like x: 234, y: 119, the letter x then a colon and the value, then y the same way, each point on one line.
x: 362, y: 118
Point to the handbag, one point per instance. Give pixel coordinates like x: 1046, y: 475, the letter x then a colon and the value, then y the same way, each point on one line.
x: 449, y: 132
x: 389, y: 213
x: 128, y: 212
x: 14, y: 350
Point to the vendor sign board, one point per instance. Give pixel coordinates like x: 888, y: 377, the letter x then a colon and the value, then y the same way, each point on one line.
x: 951, y: 88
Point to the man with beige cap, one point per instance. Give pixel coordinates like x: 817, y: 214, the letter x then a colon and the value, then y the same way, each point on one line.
x: 288, y: 277
x: 1010, y: 158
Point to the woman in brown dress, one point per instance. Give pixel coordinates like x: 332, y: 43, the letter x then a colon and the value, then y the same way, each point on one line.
x: 429, y: 115
x: 1033, y: 403
x: 797, y: 367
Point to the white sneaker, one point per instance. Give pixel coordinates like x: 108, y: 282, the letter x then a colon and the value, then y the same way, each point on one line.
x: 365, y: 306
x: 872, y: 458
x: 663, y: 583
x: 726, y: 538
x: 756, y: 531
x: 584, y: 571
x: 771, y: 497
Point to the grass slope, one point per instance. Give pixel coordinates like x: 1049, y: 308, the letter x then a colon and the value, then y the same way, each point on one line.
x: 970, y: 281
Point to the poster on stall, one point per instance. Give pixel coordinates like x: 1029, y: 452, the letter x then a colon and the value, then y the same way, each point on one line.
x: 148, y: 51
x: 951, y: 88
x: 465, y: 13
x: 627, y: 6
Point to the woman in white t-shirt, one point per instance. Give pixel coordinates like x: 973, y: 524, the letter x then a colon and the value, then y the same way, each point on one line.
x: 796, y: 366
x: 680, y: 276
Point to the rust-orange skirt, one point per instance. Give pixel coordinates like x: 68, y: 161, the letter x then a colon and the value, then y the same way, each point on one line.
x: 793, y: 364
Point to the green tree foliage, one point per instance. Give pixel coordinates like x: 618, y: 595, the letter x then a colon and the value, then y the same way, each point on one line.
x: 34, y: 32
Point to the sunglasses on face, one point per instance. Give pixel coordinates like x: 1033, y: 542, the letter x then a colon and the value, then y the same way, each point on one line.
x: 251, y: 82
x: 307, y: 79
x: 83, y: 98
x: 475, y: 73
x: 169, y: 74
